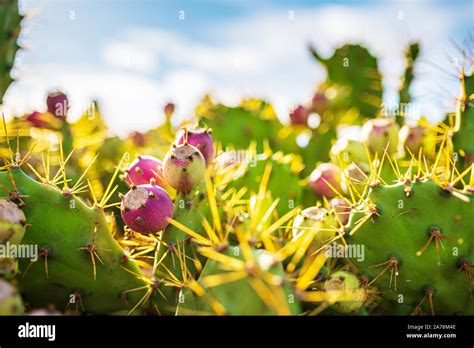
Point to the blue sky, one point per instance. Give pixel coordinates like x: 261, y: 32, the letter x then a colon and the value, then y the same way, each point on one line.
x: 134, y: 56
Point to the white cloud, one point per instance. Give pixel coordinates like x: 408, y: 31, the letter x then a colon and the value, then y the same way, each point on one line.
x: 130, y: 57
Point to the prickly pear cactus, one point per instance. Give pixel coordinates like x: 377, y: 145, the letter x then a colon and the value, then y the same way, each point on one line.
x: 464, y: 127
x: 237, y: 127
x: 10, y: 20
x: 79, y: 260
x: 238, y: 221
x: 411, y: 55
x: 415, y: 253
x: 353, y: 72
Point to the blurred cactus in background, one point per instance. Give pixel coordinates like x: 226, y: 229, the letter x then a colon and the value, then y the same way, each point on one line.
x: 10, y: 27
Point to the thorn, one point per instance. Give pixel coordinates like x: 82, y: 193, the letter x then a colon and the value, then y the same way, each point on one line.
x: 436, y: 235
x: 429, y: 294
x: 466, y: 267
x: 77, y: 296
x: 92, y: 250
x: 43, y: 252
x: 392, y: 265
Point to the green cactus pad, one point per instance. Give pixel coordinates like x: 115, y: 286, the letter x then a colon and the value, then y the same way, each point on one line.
x: 352, y: 68
x: 60, y: 226
x: 396, y: 238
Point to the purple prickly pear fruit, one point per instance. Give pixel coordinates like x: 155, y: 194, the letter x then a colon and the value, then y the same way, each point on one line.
x: 146, y: 208
x: 342, y: 209
x: 143, y: 169
x: 184, y: 167
x: 349, y: 283
x: 299, y: 115
x: 411, y: 137
x: 169, y: 110
x: 58, y: 104
x: 12, y: 222
x: 379, y: 132
x: 319, y: 103
x: 323, y: 177
x: 200, y: 138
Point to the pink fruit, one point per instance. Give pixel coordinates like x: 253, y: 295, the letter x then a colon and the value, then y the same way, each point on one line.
x: 411, y: 137
x: 200, y: 138
x: 299, y: 116
x: 379, y: 132
x: 342, y: 209
x: 184, y: 167
x: 143, y: 169
x: 35, y: 118
x: 146, y: 208
x: 319, y: 103
x: 169, y: 110
x: 139, y: 139
x: 58, y: 104
x: 356, y: 176
x: 320, y: 177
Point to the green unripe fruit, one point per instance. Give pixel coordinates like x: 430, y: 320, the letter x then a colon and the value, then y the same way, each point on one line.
x: 184, y: 167
x: 315, y: 220
x: 12, y: 223
x: 344, y: 281
x: 356, y: 175
x: 348, y: 151
x: 8, y: 266
x: 10, y: 301
x: 380, y: 132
